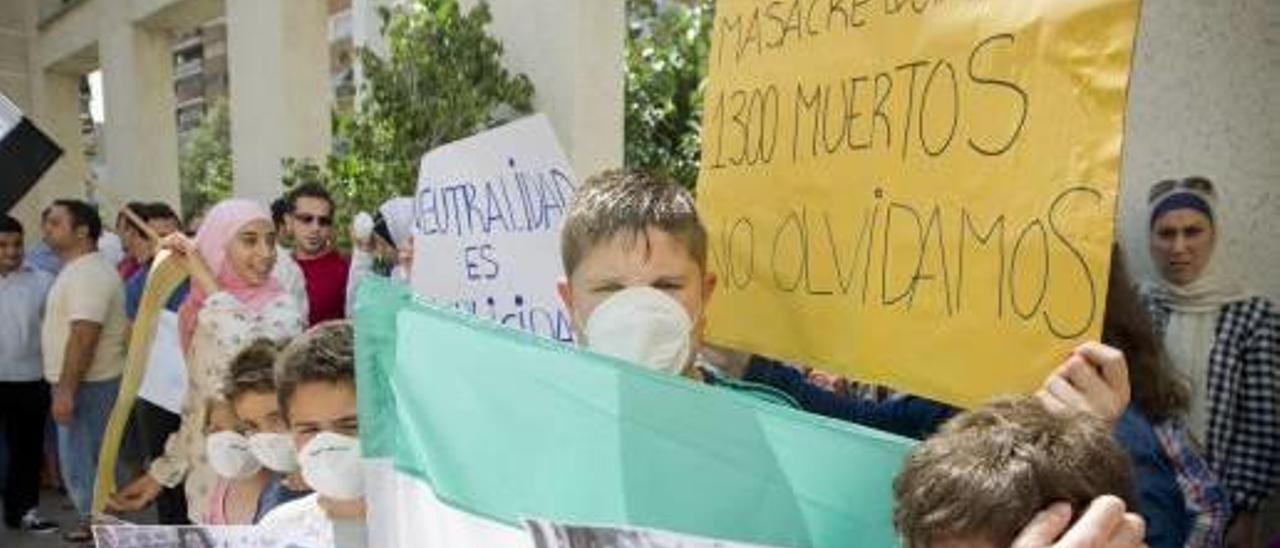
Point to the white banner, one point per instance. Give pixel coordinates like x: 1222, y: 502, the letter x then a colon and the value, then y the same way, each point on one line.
x: 488, y: 211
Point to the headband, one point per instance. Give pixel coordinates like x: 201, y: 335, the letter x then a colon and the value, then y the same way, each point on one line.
x: 1181, y: 200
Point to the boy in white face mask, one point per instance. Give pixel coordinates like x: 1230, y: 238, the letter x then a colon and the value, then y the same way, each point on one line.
x: 251, y: 391
x: 636, y: 286
x: 315, y: 380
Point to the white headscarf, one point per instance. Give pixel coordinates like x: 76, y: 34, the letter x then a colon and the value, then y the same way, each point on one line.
x: 398, y: 214
x: 1190, y: 335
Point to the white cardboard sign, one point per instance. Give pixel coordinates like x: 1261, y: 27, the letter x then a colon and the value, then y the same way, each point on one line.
x: 488, y: 211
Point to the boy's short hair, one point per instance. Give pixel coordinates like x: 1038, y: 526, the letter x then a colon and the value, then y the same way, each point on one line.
x: 279, y: 210
x: 9, y: 225
x: 82, y: 215
x: 324, y: 353
x: 991, y: 470
x: 158, y: 211
x: 624, y: 201
x: 253, y: 369
x: 310, y: 189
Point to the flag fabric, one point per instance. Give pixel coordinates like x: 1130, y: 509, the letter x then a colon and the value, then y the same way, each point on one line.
x: 25, y: 154
x: 470, y: 429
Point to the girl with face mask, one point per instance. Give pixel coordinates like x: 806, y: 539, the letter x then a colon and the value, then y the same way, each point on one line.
x: 1225, y: 343
x: 241, y: 477
x: 234, y: 299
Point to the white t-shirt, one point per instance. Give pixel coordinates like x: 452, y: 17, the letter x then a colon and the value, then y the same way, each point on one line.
x: 303, y: 519
x: 289, y: 274
x: 88, y: 288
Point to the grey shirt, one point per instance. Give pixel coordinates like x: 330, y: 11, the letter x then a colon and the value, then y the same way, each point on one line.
x: 22, y: 297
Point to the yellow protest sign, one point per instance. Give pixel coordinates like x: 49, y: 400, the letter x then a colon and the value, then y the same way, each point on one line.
x: 914, y: 192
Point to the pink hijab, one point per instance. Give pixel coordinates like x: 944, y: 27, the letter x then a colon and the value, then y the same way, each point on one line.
x: 220, y: 226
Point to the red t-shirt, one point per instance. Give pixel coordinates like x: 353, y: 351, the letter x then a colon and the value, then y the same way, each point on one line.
x: 326, y: 277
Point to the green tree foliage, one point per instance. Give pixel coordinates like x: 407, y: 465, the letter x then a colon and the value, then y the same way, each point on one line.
x: 441, y: 80
x: 204, y: 164
x: 667, y: 46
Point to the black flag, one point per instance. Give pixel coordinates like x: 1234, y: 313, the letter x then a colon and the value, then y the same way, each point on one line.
x: 25, y: 154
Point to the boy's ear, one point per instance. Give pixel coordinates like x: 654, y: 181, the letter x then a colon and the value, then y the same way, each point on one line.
x: 565, y: 291
x: 566, y: 294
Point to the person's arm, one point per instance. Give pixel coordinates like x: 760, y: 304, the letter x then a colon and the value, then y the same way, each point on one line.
x: 908, y: 416
x: 1104, y: 525
x: 81, y: 343
x: 361, y: 266
x: 1094, y: 379
x: 168, y: 470
x: 186, y: 249
x: 1254, y: 472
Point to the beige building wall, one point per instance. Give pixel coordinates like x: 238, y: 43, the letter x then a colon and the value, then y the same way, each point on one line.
x: 278, y: 66
x: 140, y: 127
x: 572, y: 50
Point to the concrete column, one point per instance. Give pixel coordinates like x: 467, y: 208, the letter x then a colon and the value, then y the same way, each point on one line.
x: 366, y: 24
x: 572, y: 50
x: 278, y: 67
x: 366, y: 32
x: 140, y: 131
x: 15, y: 38
x: 56, y: 110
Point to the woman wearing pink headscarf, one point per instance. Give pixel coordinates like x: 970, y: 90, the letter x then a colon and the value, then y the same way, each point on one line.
x: 234, y: 300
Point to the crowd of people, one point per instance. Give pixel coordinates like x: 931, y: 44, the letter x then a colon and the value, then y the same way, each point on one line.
x: 1166, y: 432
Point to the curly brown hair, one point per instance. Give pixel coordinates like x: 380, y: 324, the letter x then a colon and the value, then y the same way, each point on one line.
x: 252, y: 369
x: 990, y: 470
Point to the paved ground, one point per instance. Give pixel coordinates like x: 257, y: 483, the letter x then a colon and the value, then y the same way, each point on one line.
x: 56, y: 507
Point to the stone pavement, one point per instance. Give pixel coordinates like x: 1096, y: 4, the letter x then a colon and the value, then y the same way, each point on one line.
x: 56, y: 507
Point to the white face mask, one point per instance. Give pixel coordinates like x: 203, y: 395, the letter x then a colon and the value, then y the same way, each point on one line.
x: 331, y: 466
x: 644, y: 326
x: 275, y: 451
x: 229, y: 455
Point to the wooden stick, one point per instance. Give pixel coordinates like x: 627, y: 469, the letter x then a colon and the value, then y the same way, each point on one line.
x: 124, y: 209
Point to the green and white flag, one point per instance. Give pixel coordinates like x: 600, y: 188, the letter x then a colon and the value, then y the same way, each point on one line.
x: 471, y: 428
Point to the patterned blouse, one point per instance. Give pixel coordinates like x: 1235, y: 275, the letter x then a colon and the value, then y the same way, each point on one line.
x: 223, y: 328
x: 1244, y: 398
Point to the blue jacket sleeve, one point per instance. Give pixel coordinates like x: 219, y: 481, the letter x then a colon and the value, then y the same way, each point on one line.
x: 133, y: 293
x: 908, y: 416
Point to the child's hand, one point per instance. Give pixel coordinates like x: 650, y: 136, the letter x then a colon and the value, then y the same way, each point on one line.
x: 342, y: 509
x: 362, y: 232
x: 404, y: 256
x: 136, y: 495
x: 1104, y: 525
x: 1094, y: 380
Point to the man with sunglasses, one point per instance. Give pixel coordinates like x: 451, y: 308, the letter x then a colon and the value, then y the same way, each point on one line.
x: 310, y: 222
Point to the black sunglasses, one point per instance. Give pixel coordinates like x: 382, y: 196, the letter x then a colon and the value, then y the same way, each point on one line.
x: 307, y: 219
x: 1198, y: 184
